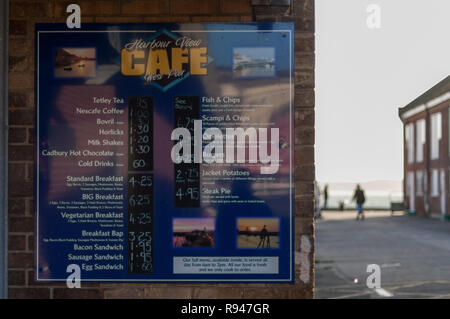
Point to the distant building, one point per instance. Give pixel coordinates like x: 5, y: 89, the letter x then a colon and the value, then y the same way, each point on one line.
x: 426, y: 149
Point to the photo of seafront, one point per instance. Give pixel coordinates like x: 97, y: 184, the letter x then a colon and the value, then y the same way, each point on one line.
x: 193, y: 232
x: 258, y: 233
x: 75, y: 62
x: 254, y: 62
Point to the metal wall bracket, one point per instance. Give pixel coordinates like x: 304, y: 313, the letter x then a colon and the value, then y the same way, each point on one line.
x: 4, y: 22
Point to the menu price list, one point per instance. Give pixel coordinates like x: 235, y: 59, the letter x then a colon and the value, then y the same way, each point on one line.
x: 140, y: 185
x: 187, y: 175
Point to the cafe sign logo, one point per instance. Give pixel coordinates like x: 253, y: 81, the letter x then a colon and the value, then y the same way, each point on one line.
x: 164, y: 59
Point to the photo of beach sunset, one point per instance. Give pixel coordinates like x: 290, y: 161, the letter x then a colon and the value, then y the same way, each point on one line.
x: 193, y: 232
x: 258, y: 233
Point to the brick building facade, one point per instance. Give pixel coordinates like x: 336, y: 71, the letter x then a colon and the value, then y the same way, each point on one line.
x: 23, y: 14
x: 427, y: 152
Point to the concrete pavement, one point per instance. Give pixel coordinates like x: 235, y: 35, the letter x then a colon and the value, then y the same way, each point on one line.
x: 413, y: 253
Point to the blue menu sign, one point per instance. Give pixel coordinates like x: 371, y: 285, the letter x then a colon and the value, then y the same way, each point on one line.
x: 165, y: 152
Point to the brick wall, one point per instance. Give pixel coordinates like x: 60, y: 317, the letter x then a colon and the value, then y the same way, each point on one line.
x: 23, y: 16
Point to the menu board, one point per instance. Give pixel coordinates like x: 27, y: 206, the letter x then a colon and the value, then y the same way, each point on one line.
x: 165, y: 152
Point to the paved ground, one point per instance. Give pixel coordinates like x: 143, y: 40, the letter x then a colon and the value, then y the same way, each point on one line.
x: 413, y: 253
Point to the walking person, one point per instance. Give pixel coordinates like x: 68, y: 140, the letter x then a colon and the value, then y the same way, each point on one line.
x: 360, y: 198
x: 264, y: 238
x: 325, y: 196
x: 317, y: 213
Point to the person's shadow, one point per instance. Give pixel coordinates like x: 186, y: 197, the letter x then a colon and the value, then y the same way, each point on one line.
x: 229, y: 212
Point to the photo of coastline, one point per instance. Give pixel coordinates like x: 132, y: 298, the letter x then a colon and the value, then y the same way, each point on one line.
x: 258, y: 233
x: 75, y: 62
x: 254, y: 62
x: 193, y: 232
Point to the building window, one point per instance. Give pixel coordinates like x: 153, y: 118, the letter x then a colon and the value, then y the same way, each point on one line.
x: 409, y: 137
x: 449, y: 131
x: 436, y: 134
x: 434, y: 183
x: 420, y: 139
x: 419, y: 183
x: 410, y: 184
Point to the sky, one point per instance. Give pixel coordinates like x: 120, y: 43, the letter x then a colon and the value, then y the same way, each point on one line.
x: 272, y: 224
x: 88, y: 52
x: 190, y: 224
x: 258, y: 53
x: 364, y: 75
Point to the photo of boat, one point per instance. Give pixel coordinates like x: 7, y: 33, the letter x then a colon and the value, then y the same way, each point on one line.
x: 253, y: 62
x: 75, y: 62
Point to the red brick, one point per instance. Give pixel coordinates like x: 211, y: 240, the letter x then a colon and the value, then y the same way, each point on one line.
x: 304, y: 189
x: 16, y: 278
x: 25, y: 188
x: 269, y: 293
x: 16, y: 206
x: 157, y: 19
x: 304, y: 173
x: 304, y: 15
x: 30, y: 243
x: 92, y: 7
x: 29, y: 293
x: 18, y: 64
x: 235, y: 6
x: 30, y: 207
x: 22, y: 9
x: 215, y: 19
x: 17, y: 135
x: 29, y: 174
x: 304, y: 136
x: 16, y: 172
x: 18, y: 100
x: 304, y: 61
x: 304, y: 154
x: 17, y: 242
x: 246, y: 19
x: 66, y: 293
x: 304, y: 79
x: 168, y: 292
x: 21, y: 224
x: 145, y: 7
x: 17, y: 27
x: 124, y: 293
x: 21, y: 152
x: 218, y: 293
x: 299, y: 293
x: 193, y: 6
x: 304, y: 98
x: 32, y: 283
x: 304, y: 208
x: 20, y: 46
x: 20, y: 260
x: 21, y: 80
x: 304, y: 226
x: 117, y: 19
x: 31, y: 136
x: 272, y: 13
x: 21, y: 117
x: 304, y: 117
x: 304, y: 42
